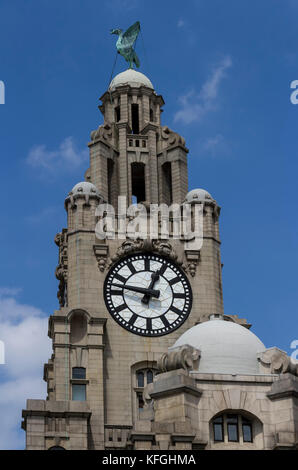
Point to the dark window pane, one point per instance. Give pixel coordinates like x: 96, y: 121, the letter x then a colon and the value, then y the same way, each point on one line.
x: 232, y: 419
x: 149, y: 377
x: 140, y: 402
x: 218, y: 432
x: 218, y: 419
x: 140, y: 379
x: 247, y: 432
x: 79, y: 392
x: 233, y: 432
x: 78, y: 373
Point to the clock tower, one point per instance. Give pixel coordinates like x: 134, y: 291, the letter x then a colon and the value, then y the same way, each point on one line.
x: 123, y: 300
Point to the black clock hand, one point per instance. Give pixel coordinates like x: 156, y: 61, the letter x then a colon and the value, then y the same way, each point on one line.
x: 142, y: 290
x: 154, y: 279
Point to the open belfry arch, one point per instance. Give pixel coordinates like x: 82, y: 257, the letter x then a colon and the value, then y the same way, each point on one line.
x: 189, y: 377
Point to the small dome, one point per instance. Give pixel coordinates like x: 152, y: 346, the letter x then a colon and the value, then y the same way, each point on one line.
x: 198, y: 195
x: 86, y: 190
x: 130, y: 77
x: 226, y: 347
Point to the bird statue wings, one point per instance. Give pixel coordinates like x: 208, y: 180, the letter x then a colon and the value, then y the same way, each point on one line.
x: 125, y: 43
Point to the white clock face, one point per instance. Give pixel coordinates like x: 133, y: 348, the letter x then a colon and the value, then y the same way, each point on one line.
x: 148, y: 294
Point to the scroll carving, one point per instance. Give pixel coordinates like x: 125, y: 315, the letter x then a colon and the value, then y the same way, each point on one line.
x: 171, y: 137
x: 184, y: 357
x: 278, y: 361
x: 104, y: 132
x: 161, y: 247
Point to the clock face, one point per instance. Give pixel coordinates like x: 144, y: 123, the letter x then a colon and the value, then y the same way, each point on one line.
x: 147, y: 294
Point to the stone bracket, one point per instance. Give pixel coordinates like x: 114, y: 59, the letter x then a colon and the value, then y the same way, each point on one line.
x: 101, y: 254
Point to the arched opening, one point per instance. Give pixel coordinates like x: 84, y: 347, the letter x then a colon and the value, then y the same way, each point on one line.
x: 230, y: 427
x: 56, y: 448
x: 167, y: 183
x: 138, y: 182
x: 135, y: 118
x: 117, y: 114
x: 78, y: 327
x: 110, y: 172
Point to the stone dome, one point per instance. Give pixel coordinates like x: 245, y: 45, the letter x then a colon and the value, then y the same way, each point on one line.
x: 130, y: 77
x: 226, y: 347
x: 198, y: 195
x: 84, y: 189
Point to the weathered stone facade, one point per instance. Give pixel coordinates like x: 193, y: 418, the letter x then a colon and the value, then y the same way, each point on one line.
x: 133, y: 155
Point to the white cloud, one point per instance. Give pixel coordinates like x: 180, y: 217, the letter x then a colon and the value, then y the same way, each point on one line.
x: 23, y: 329
x: 67, y: 156
x: 213, y: 144
x: 194, y: 106
x: 181, y: 23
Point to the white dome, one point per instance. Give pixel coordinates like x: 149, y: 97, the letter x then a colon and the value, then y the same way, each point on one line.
x: 130, y: 77
x: 86, y: 190
x: 226, y: 347
x: 198, y: 195
x: 84, y: 187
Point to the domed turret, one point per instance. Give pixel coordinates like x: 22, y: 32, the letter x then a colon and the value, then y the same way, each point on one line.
x: 226, y: 347
x: 198, y: 195
x: 130, y: 77
x: 84, y: 189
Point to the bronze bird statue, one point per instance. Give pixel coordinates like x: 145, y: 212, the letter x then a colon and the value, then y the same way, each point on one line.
x: 125, y: 43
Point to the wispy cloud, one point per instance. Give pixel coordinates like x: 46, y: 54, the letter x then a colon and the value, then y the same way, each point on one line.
x: 213, y: 144
x: 180, y: 23
x: 67, y: 155
x: 195, y: 105
x: 23, y: 328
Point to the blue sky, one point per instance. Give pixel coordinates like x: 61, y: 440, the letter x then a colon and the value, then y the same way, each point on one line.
x: 224, y: 69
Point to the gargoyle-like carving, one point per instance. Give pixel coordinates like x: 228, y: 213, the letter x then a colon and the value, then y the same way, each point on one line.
x: 156, y: 246
x: 101, y: 253
x: 278, y: 361
x: 171, y: 137
x: 104, y: 132
x: 184, y: 357
x: 61, y: 270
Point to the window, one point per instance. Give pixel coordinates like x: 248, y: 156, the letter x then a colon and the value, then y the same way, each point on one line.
x: 79, y: 392
x: 143, y: 378
x: 246, y: 430
x: 218, y: 429
x: 78, y: 373
x: 56, y: 448
x: 151, y: 115
x: 78, y: 384
x: 229, y: 427
x: 232, y: 423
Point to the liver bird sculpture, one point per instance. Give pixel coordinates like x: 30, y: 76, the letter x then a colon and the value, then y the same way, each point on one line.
x: 125, y: 43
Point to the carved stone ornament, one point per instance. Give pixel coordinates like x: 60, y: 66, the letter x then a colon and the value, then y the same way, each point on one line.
x: 104, y: 132
x: 278, y: 361
x: 161, y: 247
x: 101, y: 254
x: 171, y: 137
x: 184, y: 357
x: 62, y: 268
x: 192, y: 257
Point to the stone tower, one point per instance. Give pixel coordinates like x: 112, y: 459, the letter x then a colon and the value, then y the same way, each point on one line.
x: 101, y: 364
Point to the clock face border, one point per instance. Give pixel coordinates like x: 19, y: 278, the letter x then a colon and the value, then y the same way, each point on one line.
x: 135, y: 330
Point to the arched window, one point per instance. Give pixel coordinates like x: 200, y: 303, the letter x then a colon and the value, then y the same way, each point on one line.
x: 56, y: 448
x: 143, y: 378
x: 138, y: 181
x: 232, y: 427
